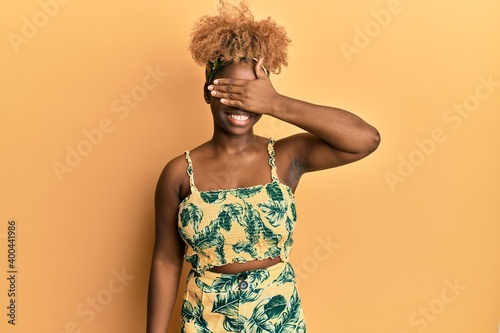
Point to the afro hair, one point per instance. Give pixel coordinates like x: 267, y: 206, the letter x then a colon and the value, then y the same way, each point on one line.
x: 234, y: 35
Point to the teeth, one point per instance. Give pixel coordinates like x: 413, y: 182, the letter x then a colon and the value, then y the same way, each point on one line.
x: 239, y: 117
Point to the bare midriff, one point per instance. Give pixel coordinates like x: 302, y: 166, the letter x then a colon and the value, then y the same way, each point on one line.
x: 246, y: 266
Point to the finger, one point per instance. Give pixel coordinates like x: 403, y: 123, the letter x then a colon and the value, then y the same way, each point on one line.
x: 225, y: 88
x: 259, y: 69
x: 229, y: 82
x: 221, y: 94
x: 233, y: 103
x: 228, y: 88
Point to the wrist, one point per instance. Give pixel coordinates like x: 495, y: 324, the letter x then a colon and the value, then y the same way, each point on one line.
x: 277, y: 106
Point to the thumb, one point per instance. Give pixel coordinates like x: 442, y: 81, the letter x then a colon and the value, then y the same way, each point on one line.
x: 259, y: 69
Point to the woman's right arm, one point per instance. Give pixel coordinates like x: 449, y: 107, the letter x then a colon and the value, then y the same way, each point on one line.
x: 166, y: 265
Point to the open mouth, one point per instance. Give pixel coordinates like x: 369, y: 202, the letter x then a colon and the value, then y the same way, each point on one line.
x: 239, y: 117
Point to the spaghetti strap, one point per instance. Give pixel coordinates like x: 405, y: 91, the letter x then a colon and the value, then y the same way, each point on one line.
x: 270, y: 149
x: 190, y: 173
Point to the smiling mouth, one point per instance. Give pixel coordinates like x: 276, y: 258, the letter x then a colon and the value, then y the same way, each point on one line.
x: 238, y: 117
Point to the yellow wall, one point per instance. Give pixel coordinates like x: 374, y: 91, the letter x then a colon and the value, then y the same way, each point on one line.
x: 409, y: 239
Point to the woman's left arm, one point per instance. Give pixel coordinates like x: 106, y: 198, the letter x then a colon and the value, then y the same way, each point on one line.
x: 336, y: 136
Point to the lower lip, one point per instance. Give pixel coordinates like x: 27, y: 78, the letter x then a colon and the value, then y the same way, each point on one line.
x: 237, y: 122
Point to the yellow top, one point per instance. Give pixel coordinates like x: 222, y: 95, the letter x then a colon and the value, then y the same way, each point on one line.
x: 237, y: 225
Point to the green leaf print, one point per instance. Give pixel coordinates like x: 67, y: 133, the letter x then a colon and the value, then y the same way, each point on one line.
x: 287, y: 275
x: 208, y: 237
x: 265, y: 310
x: 250, y: 295
x: 239, y: 259
x: 254, y: 228
x: 199, y: 322
x: 274, y: 192
x: 273, y: 252
x: 219, y: 252
x: 226, y: 303
x: 225, y: 282
x: 233, y: 324
x: 191, y: 213
x: 253, y: 225
x: 191, y: 313
x: 258, y: 276
x: 270, y: 236
x: 275, y: 306
x: 229, y: 213
x: 198, y: 308
x: 290, y: 224
x: 213, y: 197
x: 202, y: 326
x: 203, y: 286
x: 224, y: 220
x: 187, y: 311
x: 301, y: 327
x: 274, y: 211
x: 294, y: 211
x: 245, y: 247
x: 288, y: 244
x: 194, y: 260
x: 288, y: 321
x: 247, y: 192
x: 186, y: 236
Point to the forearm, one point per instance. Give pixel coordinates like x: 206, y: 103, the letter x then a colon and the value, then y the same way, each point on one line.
x: 341, y: 129
x: 163, y: 287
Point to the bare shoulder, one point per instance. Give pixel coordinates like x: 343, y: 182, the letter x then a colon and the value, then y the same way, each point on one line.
x: 174, y: 169
x: 173, y: 179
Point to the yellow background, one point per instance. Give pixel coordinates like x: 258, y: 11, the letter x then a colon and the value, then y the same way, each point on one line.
x: 382, y: 246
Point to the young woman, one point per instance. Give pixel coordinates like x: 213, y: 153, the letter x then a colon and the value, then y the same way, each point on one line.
x: 236, y: 231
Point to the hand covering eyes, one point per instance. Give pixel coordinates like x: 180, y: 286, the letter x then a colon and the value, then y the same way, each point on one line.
x: 214, y: 67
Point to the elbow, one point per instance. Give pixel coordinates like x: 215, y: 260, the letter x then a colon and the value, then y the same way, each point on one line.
x: 372, y: 141
x: 375, y: 140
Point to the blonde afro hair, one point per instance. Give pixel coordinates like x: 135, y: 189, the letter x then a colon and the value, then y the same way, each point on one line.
x: 234, y: 35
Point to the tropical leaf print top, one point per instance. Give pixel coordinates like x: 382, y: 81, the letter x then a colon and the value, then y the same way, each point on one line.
x: 237, y: 225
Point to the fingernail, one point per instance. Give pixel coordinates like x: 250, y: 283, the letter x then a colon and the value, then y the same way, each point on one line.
x: 216, y: 81
x: 210, y: 87
x: 214, y: 93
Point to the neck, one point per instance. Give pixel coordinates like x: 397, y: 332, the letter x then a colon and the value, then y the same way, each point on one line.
x: 232, y: 144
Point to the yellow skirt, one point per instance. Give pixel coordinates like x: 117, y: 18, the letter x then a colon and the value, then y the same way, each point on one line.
x: 258, y: 301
